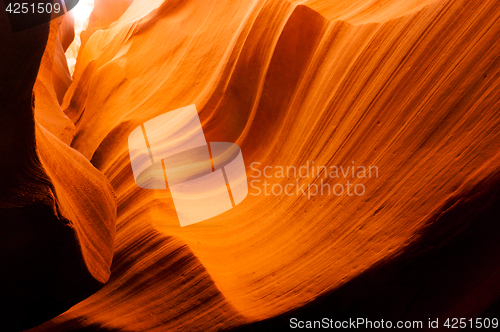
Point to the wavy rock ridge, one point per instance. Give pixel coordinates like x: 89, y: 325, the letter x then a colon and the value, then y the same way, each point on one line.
x: 410, y: 87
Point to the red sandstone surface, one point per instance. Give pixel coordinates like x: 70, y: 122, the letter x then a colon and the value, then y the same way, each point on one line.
x: 411, y: 87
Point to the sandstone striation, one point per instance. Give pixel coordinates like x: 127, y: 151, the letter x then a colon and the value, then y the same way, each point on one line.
x: 410, y: 87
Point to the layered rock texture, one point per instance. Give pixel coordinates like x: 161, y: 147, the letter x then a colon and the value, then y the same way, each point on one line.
x: 411, y: 87
x: 57, y: 210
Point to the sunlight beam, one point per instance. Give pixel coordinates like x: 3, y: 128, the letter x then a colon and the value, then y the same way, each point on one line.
x: 81, y: 14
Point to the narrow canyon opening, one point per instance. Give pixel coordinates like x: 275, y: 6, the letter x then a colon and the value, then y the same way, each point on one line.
x: 81, y: 14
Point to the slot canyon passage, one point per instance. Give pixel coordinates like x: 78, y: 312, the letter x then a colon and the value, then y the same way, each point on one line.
x: 411, y: 87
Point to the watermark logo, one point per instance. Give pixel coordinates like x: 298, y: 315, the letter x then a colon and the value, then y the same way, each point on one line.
x: 26, y: 14
x: 310, y: 180
x: 205, y: 179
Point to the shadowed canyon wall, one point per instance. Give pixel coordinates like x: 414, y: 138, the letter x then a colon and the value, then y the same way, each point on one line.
x: 57, y: 211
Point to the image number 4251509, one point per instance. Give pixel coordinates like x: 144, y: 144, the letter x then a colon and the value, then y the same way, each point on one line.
x: 23, y: 14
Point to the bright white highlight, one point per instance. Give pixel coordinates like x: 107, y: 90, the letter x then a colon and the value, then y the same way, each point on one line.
x: 81, y: 13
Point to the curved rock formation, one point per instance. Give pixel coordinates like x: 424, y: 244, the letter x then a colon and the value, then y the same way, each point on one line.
x: 104, y: 14
x: 58, y: 212
x: 409, y: 87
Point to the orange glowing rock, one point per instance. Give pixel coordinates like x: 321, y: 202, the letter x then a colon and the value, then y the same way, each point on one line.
x: 410, y: 87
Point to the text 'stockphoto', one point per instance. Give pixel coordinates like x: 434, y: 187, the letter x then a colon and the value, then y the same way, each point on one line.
x: 249, y: 165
